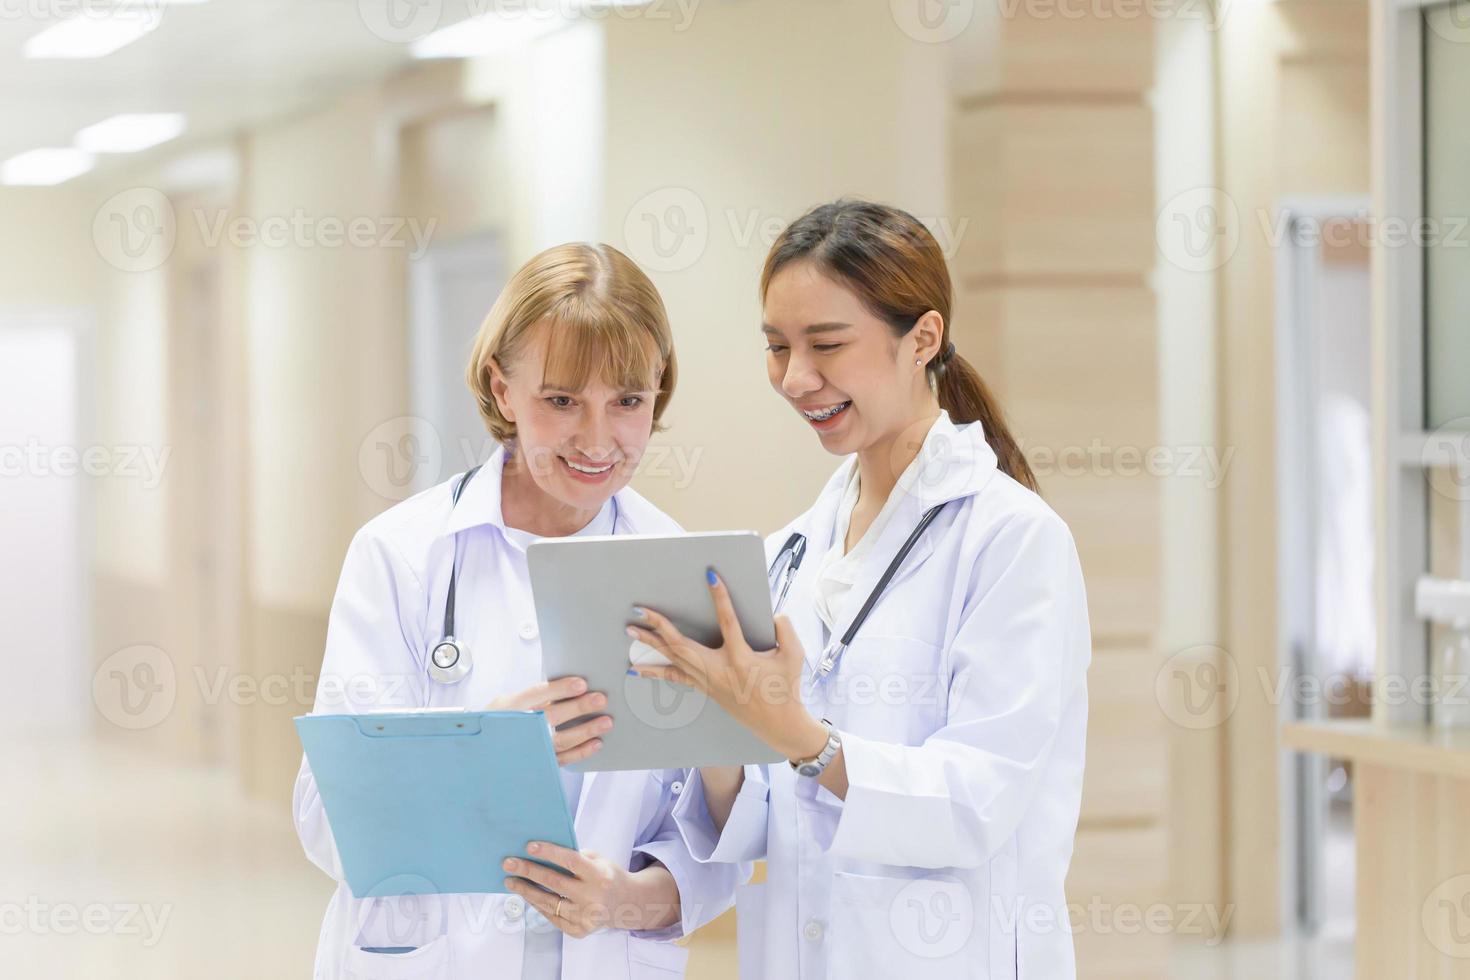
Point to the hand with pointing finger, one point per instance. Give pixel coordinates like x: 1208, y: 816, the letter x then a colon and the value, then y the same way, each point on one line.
x: 563, y: 699
x: 760, y: 689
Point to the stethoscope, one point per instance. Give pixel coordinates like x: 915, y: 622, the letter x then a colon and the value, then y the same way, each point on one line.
x: 449, y: 661
x: 788, y: 561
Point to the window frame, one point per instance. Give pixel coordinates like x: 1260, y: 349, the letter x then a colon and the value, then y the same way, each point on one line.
x: 1404, y: 450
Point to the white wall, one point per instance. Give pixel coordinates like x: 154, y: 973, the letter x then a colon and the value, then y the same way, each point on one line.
x: 324, y: 346
x: 42, y: 525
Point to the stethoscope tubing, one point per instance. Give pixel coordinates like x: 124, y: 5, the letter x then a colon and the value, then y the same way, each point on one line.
x: 461, y: 665
x: 794, y: 551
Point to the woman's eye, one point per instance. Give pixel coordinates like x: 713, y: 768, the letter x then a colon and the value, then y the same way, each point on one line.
x: 825, y: 348
x: 776, y: 348
x: 560, y: 401
x: 631, y: 401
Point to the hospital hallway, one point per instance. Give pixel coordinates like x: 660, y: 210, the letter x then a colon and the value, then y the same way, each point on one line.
x: 99, y: 882
x: 1209, y: 261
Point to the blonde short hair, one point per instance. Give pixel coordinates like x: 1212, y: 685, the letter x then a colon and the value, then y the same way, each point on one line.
x: 605, y: 317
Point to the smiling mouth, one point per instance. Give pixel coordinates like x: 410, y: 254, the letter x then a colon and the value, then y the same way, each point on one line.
x: 589, y: 470
x: 824, y: 414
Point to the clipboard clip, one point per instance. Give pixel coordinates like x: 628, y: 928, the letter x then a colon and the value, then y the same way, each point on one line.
x: 438, y: 724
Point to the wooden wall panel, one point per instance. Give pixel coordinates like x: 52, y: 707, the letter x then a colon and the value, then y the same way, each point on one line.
x: 1076, y: 370
x: 1052, y: 165
x: 1112, y: 891
x: 1127, y: 741
x: 1413, y: 902
x: 1035, y: 209
x: 1102, y: 48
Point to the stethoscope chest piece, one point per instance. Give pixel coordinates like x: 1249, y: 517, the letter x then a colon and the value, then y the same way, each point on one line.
x: 449, y: 662
x: 834, y: 650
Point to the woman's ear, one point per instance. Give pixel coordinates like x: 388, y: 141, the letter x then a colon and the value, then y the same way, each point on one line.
x: 500, y: 389
x: 928, y: 336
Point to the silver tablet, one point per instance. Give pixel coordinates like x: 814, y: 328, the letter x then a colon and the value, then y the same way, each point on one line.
x: 585, y: 590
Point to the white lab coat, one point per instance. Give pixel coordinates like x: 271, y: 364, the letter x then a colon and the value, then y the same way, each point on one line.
x: 962, y: 707
x: 387, y: 614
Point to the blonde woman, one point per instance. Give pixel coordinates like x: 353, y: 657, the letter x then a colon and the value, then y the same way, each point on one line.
x: 572, y: 371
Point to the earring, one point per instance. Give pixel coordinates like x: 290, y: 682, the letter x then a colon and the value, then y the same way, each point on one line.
x: 917, y: 362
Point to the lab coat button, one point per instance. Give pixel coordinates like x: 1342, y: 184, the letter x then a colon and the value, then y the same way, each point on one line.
x: 514, y: 907
x: 528, y: 630
x: 676, y: 787
x: 813, y: 930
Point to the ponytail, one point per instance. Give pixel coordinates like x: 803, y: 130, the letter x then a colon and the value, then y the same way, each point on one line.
x: 892, y: 262
x: 964, y: 395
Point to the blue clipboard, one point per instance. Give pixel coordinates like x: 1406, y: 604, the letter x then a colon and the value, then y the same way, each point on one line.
x: 434, y: 802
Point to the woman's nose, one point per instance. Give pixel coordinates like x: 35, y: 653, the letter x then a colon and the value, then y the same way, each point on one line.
x: 595, y: 437
x: 799, y: 378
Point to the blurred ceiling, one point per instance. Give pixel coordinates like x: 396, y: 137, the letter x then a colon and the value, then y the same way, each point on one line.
x: 226, y: 64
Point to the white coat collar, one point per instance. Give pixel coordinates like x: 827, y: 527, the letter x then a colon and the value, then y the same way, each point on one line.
x: 480, y: 504
x: 953, y: 462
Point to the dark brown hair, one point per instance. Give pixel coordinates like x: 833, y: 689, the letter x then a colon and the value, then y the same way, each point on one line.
x: 891, y: 261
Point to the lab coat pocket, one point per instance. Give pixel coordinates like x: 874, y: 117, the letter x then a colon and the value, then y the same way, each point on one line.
x: 429, y: 962
x: 402, y: 937
x: 922, y: 928
x: 655, y: 960
x: 750, y: 930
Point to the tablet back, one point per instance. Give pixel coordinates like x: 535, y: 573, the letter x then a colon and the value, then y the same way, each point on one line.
x: 585, y: 590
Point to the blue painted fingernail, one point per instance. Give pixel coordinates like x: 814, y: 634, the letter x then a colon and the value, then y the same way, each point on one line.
x: 710, y: 574
x: 632, y: 672
x: 639, y: 613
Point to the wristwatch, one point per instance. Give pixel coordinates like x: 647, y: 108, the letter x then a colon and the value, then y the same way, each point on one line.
x: 813, y: 767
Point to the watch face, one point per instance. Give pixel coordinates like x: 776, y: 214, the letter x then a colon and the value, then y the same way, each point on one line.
x: 808, y: 769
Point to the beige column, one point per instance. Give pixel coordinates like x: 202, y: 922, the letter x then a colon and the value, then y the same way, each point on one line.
x: 1052, y: 164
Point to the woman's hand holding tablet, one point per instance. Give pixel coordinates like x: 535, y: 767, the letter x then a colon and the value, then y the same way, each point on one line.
x: 586, y: 589
x: 760, y: 689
